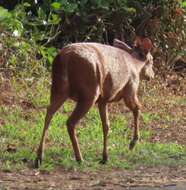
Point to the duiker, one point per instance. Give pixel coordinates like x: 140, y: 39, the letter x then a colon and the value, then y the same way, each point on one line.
x: 92, y: 73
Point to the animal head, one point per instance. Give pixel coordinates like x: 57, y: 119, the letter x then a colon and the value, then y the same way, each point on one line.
x: 145, y: 46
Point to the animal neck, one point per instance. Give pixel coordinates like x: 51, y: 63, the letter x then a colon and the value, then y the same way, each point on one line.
x: 139, y: 61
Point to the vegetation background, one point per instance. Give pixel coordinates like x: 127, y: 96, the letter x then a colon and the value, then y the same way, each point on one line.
x: 31, y: 34
x: 41, y: 27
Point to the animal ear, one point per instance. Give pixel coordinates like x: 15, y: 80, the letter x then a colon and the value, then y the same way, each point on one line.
x: 116, y: 43
x: 122, y: 45
x: 146, y: 45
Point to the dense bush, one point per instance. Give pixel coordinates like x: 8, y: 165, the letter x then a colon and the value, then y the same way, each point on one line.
x: 45, y: 24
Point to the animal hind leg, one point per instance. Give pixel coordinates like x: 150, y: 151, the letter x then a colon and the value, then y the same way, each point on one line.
x: 56, y: 102
x: 80, y: 110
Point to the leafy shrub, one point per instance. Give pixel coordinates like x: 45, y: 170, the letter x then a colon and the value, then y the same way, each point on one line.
x: 20, y: 50
x: 54, y: 23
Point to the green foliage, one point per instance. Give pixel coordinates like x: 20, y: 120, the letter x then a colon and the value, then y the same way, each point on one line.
x: 56, y: 23
x: 21, y: 39
x: 4, y: 14
x: 29, y: 25
x: 21, y: 57
x: 183, y: 4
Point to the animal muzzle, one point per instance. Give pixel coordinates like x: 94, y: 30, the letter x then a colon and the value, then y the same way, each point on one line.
x: 150, y: 76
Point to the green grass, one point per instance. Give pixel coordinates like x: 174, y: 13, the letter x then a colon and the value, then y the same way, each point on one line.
x: 181, y: 101
x: 21, y: 132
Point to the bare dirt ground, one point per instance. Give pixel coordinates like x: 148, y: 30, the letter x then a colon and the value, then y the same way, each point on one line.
x: 141, y: 179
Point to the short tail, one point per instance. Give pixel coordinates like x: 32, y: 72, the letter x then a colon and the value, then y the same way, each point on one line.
x: 59, y: 76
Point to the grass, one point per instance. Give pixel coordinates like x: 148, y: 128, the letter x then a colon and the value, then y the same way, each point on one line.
x: 21, y: 128
x: 21, y: 132
x: 182, y: 101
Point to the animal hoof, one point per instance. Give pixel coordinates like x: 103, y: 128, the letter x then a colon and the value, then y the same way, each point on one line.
x: 80, y: 161
x: 103, y: 161
x: 132, y: 144
x: 38, y: 162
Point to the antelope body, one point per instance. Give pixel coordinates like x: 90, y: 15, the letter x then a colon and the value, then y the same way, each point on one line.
x: 92, y: 73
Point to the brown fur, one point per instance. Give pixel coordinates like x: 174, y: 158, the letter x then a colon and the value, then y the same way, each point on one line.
x: 92, y: 73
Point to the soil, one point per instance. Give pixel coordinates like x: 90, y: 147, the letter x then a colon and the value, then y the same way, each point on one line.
x: 163, y: 178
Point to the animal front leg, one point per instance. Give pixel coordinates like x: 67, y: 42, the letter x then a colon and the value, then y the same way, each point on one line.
x: 105, y: 124
x: 134, y: 105
x: 133, y: 142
